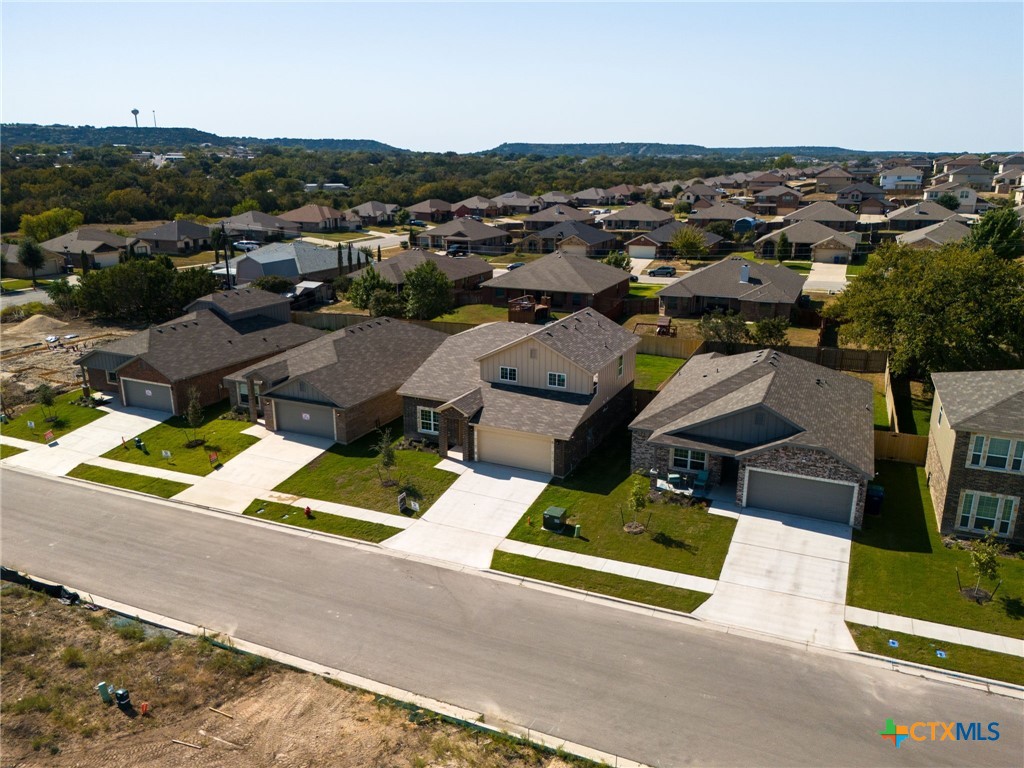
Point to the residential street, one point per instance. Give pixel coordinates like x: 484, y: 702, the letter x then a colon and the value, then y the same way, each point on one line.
x: 649, y: 689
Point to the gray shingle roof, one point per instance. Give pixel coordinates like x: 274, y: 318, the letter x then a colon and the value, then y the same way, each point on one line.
x: 720, y: 212
x: 779, y: 190
x: 237, y: 300
x: 430, y: 206
x: 87, y: 239
x: 312, y: 213
x: 821, y: 211
x: 939, y: 234
x: 476, y: 201
x: 257, y: 221
x: 809, y: 233
x: 354, y: 364
x: 557, y: 213
x: 666, y: 232
x: 465, y: 227
x: 374, y: 208
x: 639, y: 212
x: 829, y: 410
x: 561, y: 272
x: 304, y: 257
x: 176, y: 230
x: 983, y: 401
x: 588, y: 234
x: 774, y: 284
x: 903, y: 170
x: 394, y: 269
x: 927, y: 210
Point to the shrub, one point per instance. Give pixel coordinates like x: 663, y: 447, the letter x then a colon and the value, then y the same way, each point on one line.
x: 73, y: 657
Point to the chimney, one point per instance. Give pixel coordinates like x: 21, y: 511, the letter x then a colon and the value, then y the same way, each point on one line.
x: 744, y: 273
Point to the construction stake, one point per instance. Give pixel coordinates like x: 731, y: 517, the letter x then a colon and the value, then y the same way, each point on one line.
x: 186, y: 744
x: 214, y: 709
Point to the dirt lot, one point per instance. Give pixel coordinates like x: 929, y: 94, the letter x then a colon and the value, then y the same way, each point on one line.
x: 54, y: 655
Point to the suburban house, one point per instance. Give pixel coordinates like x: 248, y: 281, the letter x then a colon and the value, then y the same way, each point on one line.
x: 637, y: 217
x: 180, y: 236
x: 975, y: 460
x: 555, y: 214
x: 792, y: 436
x: 320, y: 218
x: 537, y: 398
x: 465, y: 274
x: 764, y: 181
x: 824, y: 212
x: 467, y: 235
x: 220, y: 333
x: 475, y: 206
x: 658, y: 242
x: 517, y: 202
x: 1011, y: 161
x: 776, y: 200
x: 431, y: 210
x: 919, y: 215
x: 569, y: 237
x: 903, y: 178
x: 621, y: 194
x: 563, y: 282
x: 810, y: 240
x: 966, y: 196
x: 52, y: 263
x: 753, y: 291
x: 554, y: 198
x: 832, y: 179
x: 726, y: 212
x: 258, y: 226
x: 592, y: 196
x: 102, y: 248
x: 973, y: 176
x: 341, y: 385
x: 1006, y: 181
x: 698, y: 192
x: 296, y: 261
x: 856, y: 195
x: 374, y: 213
x: 935, y: 235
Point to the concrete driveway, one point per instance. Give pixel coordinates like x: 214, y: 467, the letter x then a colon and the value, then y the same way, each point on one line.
x: 785, y: 575
x: 473, y: 516
x: 826, y: 277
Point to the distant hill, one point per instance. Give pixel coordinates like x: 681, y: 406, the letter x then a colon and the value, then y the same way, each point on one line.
x: 639, y: 149
x: 15, y: 134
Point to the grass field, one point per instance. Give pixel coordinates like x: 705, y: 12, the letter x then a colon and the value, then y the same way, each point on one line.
x: 18, y: 284
x: 652, y: 370
x: 899, y: 565
x: 322, y: 521
x: 343, y: 237
x: 913, y: 406
x: 476, y: 314
x: 6, y: 451
x: 154, y: 485
x: 67, y: 418
x: 194, y: 259
x: 644, y: 290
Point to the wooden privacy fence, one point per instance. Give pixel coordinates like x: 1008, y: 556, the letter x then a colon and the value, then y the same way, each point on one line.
x: 896, y: 446
x: 635, y: 306
x: 859, y: 360
x: 668, y: 346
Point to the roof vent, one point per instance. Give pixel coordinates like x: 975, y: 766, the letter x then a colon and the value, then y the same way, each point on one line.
x: 745, y: 273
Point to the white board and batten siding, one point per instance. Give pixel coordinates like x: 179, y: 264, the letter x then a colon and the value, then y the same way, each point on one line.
x: 533, y: 362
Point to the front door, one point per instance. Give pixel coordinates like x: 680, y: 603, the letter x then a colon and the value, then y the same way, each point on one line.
x: 730, y: 470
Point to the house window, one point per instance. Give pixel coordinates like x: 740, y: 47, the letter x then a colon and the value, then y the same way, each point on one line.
x: 593, y: 389
x: 429, y: 421
x: 243, y: 393
x: 556, y: 380
x: 996, y: 453
x: 111, y: 377
x: 964, y: 195
x: 510, y: 375
x: 619, y: 370
x: 683, y: 458
x: 987, y: 512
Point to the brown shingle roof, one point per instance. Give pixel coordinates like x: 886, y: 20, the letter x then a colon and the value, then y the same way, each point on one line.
x: 394, y: 269
x: 821, y: 211
x: 561, y: 272
x: 774, y: 284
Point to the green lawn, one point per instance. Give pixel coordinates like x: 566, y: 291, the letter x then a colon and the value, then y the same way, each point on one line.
x: 154, y: 485
x: 327, y: 523
x: 17, y: 284
x: 342, y: 237
x: 347, y: 474
x: 881, y: 411
x: 899, y: 565
x: 6, y: 451
x: 856, y: 265
x: 803, y: 267
x: 652, y: 370
x: 921, y: 650
x: 913, y: 406
x: 679, y: 538
x: 223, y: 437
x: 610, y: 584
x: 68, y: 417
x: 644, y: 290
x: 193, y: 259
x: 476, y: 314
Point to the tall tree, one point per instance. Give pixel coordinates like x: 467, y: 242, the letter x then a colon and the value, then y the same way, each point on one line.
x: 1001, y: 230
x: 951, y: 308
x: 770, y: 332
x: 85, y: 263
x: 50, y: 224
x: 428, y: 292
x: 364, y: 286
x: 688, y: 242
x: 384, y: 302
x: 948, y: 200
x: 783, y: 248
x: 727, y: 328
x: 30, y: 256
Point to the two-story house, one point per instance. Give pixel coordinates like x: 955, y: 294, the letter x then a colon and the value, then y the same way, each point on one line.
x: 776, y: 200
x: 975, y: 460
x: 902, y: 178
x: 537, y: 398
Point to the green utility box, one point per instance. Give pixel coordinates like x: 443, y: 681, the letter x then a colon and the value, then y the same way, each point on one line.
x: 554, y: 518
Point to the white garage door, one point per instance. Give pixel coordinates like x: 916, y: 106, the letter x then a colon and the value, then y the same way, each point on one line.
x: 642, y: 251
x: 800, y: 496
x: 514, y: 449
x: 304, y: 418
x: 146, y: 394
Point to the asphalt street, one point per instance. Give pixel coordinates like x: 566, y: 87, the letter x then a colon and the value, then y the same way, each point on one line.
x: 657, y: 691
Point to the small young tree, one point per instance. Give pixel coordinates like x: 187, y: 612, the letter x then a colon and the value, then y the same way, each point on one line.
x: 729, y: 329
x: 45, y: 398
x: 385, y: 302
x: 783, y: 248
x: 428, y: 292
x: 948, y: 200
x: 618, y: 260
x: 386, y: 456
x: 770, y: 332
x: 689, y: 243
x: 364, y: 287
x: 194, y: 418
x: 402, y: 217
x: 30, y: 256
x: 63, y: 295
x: 378, y: 254
x: 636, y: 503
x: 985, y: 555
x: 85, y: 263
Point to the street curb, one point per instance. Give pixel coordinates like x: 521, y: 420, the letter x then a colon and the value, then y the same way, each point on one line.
x: 996, y: 687
x: 451, y: 712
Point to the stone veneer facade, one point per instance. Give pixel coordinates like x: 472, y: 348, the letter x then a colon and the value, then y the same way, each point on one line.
x: 645, y: 456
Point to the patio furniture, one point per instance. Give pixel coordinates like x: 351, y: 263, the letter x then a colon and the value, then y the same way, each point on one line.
x: 702, y: 482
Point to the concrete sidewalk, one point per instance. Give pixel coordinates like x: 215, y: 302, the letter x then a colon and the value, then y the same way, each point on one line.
x: 341, y: 510
x: 944, y: 632
x: 139, y: 469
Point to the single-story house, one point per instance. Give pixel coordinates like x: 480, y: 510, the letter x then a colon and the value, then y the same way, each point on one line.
x: 475, y: 206
x: 810, y: 240
x: 935, y: 235
x: 592, y: 196
x: 468, y: 234
x: 179, y: 236
x: 295, y: 261
x: 466, y: 274
x: 554, y: 198
x: 537, y: 398
x: 53, y: 264
x: 569, y: 237
x: 374, y: 213
x: 555, y: 214
x: 658, y: 242
x: 776, y: 200
x: 431, y: 210
x: 919, y: 215
x: 321, y: 218
x: 975, y: 459
x: 517, y: 202
x: 220, y: 333
x: 791, y: 435
x: 721, y: 211
x: 341, y: 385
x: 102, y: 248
x: 258, y: 226
x: 903, y: 178
x: 563, y: 282
x: 824, y: 212
x: 621, y: 194
x: 637, y: 217
x: 754, y: 291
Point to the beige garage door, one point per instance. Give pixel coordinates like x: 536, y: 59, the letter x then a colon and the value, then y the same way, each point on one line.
x: 642, y: 251
x: 514, y: 449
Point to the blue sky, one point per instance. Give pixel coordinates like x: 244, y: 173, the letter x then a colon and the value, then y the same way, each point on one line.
x: 467, y: 76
